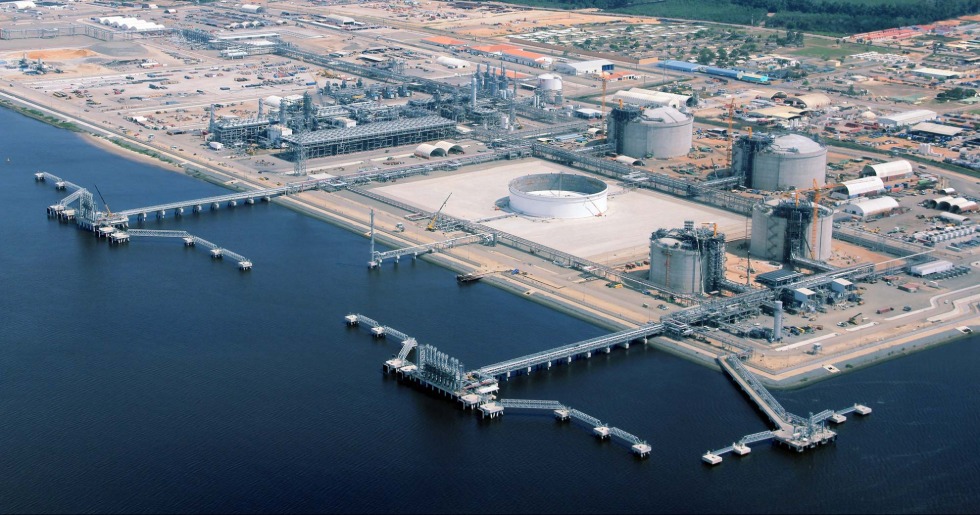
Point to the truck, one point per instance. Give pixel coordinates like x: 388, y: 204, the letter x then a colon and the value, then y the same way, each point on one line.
x: 216, y: 145
x: 882, y: 311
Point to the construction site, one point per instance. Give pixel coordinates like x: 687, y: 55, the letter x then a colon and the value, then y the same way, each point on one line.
x: 742, y: 249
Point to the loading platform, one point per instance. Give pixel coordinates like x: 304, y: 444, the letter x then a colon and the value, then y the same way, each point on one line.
x: 438, y: 373
x: 793, y: 431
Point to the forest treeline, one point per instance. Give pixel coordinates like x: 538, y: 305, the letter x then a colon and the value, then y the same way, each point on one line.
x: 819, y: 16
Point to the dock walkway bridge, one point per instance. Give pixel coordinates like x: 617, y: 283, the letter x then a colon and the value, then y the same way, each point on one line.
x: 189, y: 239
x: 562, y: 412
x: 566, y: 353
x: 377, y: 258
x: 798, y: 433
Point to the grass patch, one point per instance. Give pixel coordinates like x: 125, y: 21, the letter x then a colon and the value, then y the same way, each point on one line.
x: 823, y: 49
x: 140, y: 150
x: 41, y: 117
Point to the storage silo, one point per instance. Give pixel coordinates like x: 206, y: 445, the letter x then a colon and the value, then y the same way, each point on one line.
x: 549, y: 87
x: 782, y: 229
x: 783, y: 163
x: 661, y: 132
x: 688, y: 261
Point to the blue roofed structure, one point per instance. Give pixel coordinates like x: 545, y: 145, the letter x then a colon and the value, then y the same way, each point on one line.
x: 683, y: 66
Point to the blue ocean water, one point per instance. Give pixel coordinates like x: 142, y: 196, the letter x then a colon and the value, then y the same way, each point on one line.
x: 149, y: 378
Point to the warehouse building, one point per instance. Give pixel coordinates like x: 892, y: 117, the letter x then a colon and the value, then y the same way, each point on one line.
x: 891, y: 171
x: 906, y: 118
x: 593, y: 67
x: 867, y: 208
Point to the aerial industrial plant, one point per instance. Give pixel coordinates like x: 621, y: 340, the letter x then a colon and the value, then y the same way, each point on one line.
x: 726, y: 211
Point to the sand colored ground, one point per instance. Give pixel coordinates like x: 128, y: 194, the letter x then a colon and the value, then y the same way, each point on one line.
x: 60, y: 53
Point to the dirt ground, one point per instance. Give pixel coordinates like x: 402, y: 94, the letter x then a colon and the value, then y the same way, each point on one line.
x: 60, y: 53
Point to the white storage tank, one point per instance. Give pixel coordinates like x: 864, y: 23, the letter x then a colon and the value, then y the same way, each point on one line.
x: 788, y: 162
x: 661, y: 132
x: 777, y: 224
x: 677, y: 266
x: 549, y: 82
x: 558, y: 195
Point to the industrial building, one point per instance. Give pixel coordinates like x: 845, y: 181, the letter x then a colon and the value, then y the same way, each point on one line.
x: 780, y: 163
x: 644, y: 97
x: 593, y: 67
x: 558, y: 195
x: 405, y: 131
x: 936, y: 73
x: 867, y: 208
x: 863, y: 187
x: 661, y: 133
x: 891, y: 171
x: 808, y: 101
x: 687, y: 261
x: 906, y: 118
x: 952, y: 204
x: 786, y: 230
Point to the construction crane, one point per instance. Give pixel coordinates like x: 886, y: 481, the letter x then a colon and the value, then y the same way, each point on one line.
x: 107, y: 210
x: 817, y: 190
x: 432, y: 223
x: 731, y: 132
x: 605, y: 126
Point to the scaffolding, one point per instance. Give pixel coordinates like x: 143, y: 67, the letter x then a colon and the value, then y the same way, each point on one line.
x: 362, y: 138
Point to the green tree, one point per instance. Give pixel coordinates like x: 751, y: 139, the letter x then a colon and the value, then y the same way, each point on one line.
x: 706, y: 55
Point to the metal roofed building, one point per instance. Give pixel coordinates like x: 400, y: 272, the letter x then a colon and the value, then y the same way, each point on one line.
x: 858, y: 187
x: 871, y: 207
x: 935, y: 73
x: 778, y: 278
x: 936, y: 129
x: 907, y: 118
x: 585, y: 67
x: 890, y: 171
x: 405, y: 131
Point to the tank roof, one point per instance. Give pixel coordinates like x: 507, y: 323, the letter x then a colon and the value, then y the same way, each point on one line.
x: 802, y: 144
x: 664, y: 114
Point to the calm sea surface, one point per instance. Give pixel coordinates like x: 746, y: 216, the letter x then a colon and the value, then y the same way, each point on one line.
x: 149, y: 378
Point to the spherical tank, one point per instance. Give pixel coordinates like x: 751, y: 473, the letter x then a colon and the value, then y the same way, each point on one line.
x: 558, y: 195
x: 676, y: 266
x: 549, y: 82
x: 790, y: 161
x: 662, y: 132
x: 776, y: 223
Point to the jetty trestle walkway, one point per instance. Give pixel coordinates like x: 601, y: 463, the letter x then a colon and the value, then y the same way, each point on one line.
x: 563, y: 413
x: 567, y: 353
x: 796, y: 432
x: 217, y: 252
x: 377, y: 258
x: 438, y: 373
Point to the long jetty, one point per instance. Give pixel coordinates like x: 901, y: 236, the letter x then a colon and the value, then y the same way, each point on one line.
x: 566, y: 353
x: 796, y: 432
x: 436, y: 372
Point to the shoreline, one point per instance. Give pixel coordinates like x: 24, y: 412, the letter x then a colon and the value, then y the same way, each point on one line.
x: 795, y: 378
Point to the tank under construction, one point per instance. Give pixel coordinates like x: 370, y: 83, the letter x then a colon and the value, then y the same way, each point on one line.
x: 783, y: 230
x: 689, y: 260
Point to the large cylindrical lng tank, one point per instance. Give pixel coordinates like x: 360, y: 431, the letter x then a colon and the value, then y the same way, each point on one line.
x: 661, y: 132
x: 558, y: 195
x: 789, y: 162
x: 781, y: 228
x: 676, y: 265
